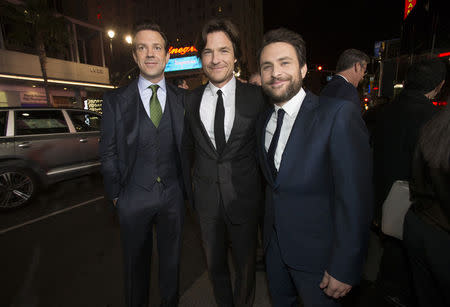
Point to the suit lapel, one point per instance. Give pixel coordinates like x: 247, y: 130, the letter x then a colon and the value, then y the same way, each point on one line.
x: 196, y: 101
x: 265, y: 164
x: 177, y: 114
x: 239, y: 103
x: 129, y: 106
x: 299, y: 133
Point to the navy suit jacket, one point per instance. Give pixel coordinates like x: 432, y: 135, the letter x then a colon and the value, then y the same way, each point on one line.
x: 119, y: 134
x: 321, y: 201
x: 339, y: 88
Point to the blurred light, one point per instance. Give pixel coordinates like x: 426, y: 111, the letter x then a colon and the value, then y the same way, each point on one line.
x: 375, y: 88
x: 398, y: 85
x: 319, y: 67
x: 366, y: 99
x: 111, y: 34
x: 65, y: 88
x: 237, y: 74
x: 129, y: 39
x: 220, y: 9
x: 440, y: 103
x: 441, y: 55
x: 56, y: 81
x: 25, y: 114
x: 33, y: 85
x: 366, y: 107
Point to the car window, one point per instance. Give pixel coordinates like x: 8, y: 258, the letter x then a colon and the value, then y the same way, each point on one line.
x: 40, y: 122
x: 3, y: 123
x: 85, y: 121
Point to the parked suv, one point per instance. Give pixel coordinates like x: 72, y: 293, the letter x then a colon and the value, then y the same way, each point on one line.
x: 40, y: 146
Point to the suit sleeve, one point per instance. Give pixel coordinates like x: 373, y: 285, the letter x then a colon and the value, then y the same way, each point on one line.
x: 108, y: 150
x: 351, y: 161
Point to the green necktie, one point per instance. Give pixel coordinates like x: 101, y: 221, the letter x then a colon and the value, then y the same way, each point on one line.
x: 155, y: 106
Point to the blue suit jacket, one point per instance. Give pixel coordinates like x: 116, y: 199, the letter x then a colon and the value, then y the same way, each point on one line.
x: 339, y: 88
x: 321, y: 200
x: 119, y: 134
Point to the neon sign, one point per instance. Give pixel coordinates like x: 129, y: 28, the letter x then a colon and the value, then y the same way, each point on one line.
x: 184, y: 63
x: 182, y: 50
x: 409, y: 5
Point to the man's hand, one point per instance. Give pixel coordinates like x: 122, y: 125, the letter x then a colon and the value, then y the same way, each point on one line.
x: 115, y: 201
x: 333, y: 287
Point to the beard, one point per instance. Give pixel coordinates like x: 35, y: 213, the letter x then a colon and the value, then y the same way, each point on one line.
x: 291, y: 90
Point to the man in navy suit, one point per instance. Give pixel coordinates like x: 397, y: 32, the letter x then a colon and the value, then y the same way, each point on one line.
x: 316, y: 160
x: 350, y: 70
x: 143, y: 168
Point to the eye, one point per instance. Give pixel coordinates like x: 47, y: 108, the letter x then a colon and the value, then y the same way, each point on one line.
x: 284, y: 63
x: 158, y: 48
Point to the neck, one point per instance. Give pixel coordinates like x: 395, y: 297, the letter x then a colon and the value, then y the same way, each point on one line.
x: 350, y: 78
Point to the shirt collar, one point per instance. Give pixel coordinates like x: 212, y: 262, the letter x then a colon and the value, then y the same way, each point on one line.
x: 143, y: 84
x: 293, y: 105
x: 227, y: 89
x: 342, y: 77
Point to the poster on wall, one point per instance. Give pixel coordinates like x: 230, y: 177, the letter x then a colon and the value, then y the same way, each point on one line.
x: 32, y: 98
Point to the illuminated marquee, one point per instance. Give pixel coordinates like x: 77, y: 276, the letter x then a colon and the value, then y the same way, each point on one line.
x: 184, y: 63
x: 182, y: 50
x: 409, y: 5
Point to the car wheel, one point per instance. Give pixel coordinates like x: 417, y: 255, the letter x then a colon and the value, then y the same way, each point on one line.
x: 17, y: 187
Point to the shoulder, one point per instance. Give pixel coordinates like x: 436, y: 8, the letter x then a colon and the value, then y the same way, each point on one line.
x: 118, y: 93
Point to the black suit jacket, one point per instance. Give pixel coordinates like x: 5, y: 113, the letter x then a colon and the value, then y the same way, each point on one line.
x: 234, y: 175
x: 119, y: 134
x: 339, y: 88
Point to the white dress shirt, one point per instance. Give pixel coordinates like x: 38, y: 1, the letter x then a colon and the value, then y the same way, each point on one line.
x: 291, y: 108
x: 208, y: 108
x: 146, y: 93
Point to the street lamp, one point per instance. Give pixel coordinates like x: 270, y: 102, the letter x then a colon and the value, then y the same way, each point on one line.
x: 129, y: 39
x: 111, y: 35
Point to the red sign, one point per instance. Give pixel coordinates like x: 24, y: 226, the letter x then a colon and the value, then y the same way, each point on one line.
x: 409, y: 5
x: 182, y: 50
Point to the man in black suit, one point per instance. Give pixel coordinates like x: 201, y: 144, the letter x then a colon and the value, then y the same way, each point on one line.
x: 350, y: 70
x: 226, y: 180
x: 141, y: 155
x: 316, y: 160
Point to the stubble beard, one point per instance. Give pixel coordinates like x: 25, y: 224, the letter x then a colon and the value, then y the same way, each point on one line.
x: 292, y: 89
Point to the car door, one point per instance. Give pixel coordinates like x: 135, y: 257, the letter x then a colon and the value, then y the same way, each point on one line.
x: 87, y: 128
x: 43, y: 137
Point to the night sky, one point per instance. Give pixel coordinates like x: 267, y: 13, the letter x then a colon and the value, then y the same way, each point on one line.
x: 331, y: 26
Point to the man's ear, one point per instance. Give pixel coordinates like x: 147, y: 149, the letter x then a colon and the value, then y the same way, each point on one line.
x: 303, y: 71
x: 167, y: 57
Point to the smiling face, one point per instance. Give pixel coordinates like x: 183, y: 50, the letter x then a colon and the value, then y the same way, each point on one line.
x: 150, y: 55
x: 218, y: 58
x: 281, y: 74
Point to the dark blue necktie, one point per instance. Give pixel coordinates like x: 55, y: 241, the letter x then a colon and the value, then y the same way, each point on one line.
x: 274, y: 143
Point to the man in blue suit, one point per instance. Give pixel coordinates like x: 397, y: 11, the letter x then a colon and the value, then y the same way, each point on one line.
x: 143, y: 167
x: 316, y: 160
x: 350, y: 70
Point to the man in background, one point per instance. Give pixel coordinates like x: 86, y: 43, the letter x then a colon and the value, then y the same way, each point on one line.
x: 350, y: 70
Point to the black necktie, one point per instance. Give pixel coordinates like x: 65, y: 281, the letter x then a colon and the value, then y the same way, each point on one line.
x: 219, y: 131
x: 274, y: 143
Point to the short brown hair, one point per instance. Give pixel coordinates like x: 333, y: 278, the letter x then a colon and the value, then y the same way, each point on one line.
x: 148, y: 25
x: 283, y: 35
x: 221, y: 25
x: 350, y: 57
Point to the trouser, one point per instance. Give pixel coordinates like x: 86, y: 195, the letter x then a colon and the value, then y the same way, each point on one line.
x: 286, y: 283
x: 139, y: 211
x: 216, y: 233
